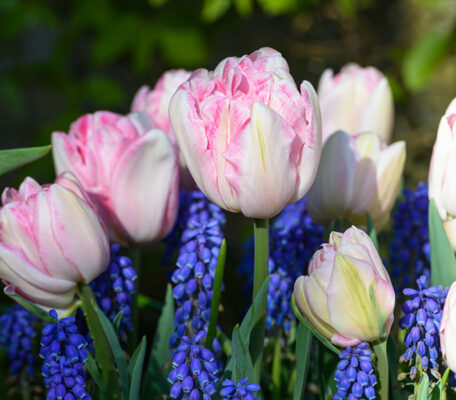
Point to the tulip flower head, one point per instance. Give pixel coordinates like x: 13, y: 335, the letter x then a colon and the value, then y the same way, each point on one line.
x: 448, y: 329
x: 357, y: 175
x: 129, y: 170
x: 442, y: 172
x: 347, y: 296
x: 250, y: 139
x: 356, y: 100
x: 51, y: 238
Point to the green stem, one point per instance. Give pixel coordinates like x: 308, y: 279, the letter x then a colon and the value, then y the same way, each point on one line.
x: 103, y: 352
x: 261, y: 233
x: 382, y: 368
x: 216, y: 295
x: 276, y: 370
x: 134, y: 253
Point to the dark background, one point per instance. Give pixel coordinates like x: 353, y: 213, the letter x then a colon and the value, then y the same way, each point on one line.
x: 60, y: 59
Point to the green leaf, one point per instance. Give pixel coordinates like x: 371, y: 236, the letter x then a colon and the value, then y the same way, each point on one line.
x: 14, y: 158
x: 94, y: 372
x: 275, y: 7
x: 214, y: 9
x: 155, y: 382
x: 311, y: 328
x: 117, y: 321
x: 135, y: 369
x: 243, y: 7
x: 242, y: 363
x: 371, y: 231
x: 147, y: 302
x: 423, y: 389
x: 116, y: 348
x: 423, y: 58
x: 28, y: 305
x: 303, y: 344
x: 250, y: 318
x: 443, y: 262
x: 224, y: 342
x: 216, y: 295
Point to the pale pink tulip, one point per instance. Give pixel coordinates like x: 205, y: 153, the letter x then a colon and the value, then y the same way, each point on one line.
x: 356, y: 100
x: 357, y: 175
x: 129, y: 171
x: 50, y: 239
x: 250, y: 139
x: 347, y: 296
x: 442, y: 172
x: 448, y: 329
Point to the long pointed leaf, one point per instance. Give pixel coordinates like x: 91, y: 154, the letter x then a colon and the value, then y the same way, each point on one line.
x: 303, y: 344
x: 242, y: 363
x: 14, y: 158
x: 135, y: 369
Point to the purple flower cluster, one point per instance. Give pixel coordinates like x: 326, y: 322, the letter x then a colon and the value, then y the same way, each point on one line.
x: 355, y: 377
x: 64, y: 353
x: 422, y: 315
x: 294, y: 237
x: 409, y: 249
x: 17, y: 333
x: 241, y: 390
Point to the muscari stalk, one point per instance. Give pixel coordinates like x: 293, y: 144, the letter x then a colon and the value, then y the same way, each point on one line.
x: 261, y: 264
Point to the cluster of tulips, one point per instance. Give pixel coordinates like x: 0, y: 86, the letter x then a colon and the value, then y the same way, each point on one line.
x: 252, y: 142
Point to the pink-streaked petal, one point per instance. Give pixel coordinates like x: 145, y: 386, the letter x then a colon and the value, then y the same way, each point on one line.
x: 342, y: 341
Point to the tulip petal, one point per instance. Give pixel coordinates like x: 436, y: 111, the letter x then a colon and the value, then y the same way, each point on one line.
x: 342, y: 341
x: 259, y: 167
x: 17, y: 270
x: 145, y: 175
x: 78, y: 233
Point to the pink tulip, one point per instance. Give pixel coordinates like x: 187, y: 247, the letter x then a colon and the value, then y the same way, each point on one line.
x: 129, y: 171
x: 250, y: 139
x: 347, y: 296
x: 155, y: 103
x: 442, y: 172
x: 356, y: 100
x: 448, y: 329
x: 357, y: 175
x: 50, y: 239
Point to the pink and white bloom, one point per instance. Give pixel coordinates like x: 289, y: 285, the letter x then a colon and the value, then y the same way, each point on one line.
x: 50, y: 239
x: 347, y: 296
x: 356, y: 100
x: 442, y: 172
x: 155, y: 104
x: 250, y: 139
x: 129, y: 170
x: 357, y: 175
x: 448, y: 329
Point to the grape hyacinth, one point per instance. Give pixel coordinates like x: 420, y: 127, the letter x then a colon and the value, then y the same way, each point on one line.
x: 239, y: 391
x: 200, y: 225
x: 422, y: 315
x: 355, y: 376
x: 294, y: 237
x: 17, y: 333
x: 195, y: 370
x: 64, y: 352
x: 114, y: 289
x: 409, y: 249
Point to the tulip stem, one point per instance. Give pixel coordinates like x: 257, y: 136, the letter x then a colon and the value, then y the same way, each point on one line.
x: 382, y: 368
x: 134, y: 253
x: 103, y: 352
x: 261, y: 269
x: 276, y: 370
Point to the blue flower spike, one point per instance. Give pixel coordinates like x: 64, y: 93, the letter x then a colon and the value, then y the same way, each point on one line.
x: 241, y: 390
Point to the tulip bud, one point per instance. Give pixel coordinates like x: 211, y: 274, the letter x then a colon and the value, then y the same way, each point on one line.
x: 50, y: 239
x: 130, y: 173
x: 356, y: 100
x: 347, y: 296
x: 357, y: 175
x: 442, y: 172
x: 250, y: 139
x: 448, y: 329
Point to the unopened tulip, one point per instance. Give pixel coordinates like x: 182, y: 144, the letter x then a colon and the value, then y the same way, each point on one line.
x: 250, y: 139
x: 155, y: 104
x: 129, y: 171
x: 50, y: 239
x: 442, y: 172
x: 356, y: 100
x: 347, y: 296
x: 448, y: 329
x: 357, y: 175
